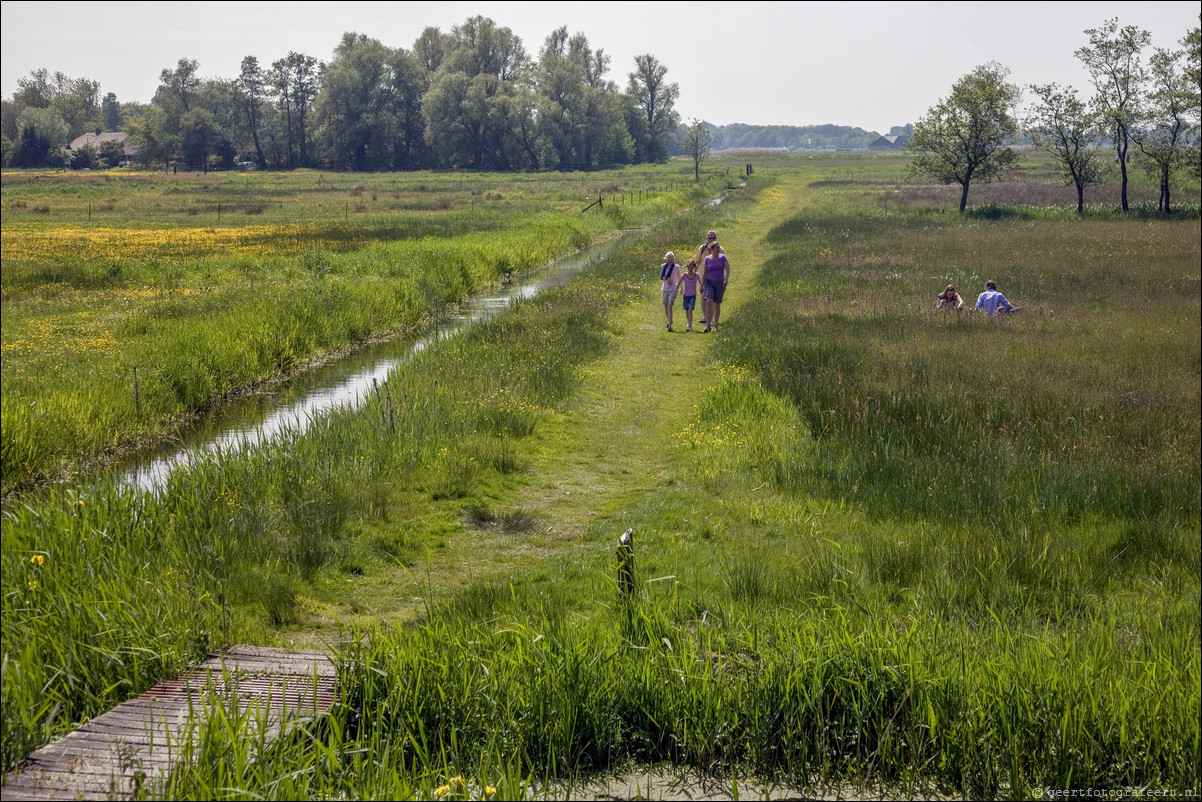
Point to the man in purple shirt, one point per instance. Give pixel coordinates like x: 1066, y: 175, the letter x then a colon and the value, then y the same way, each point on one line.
x: 992, y: 301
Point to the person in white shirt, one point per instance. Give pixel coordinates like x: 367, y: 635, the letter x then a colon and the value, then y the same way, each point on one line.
x: 992, y: 301
x: 669, y: 274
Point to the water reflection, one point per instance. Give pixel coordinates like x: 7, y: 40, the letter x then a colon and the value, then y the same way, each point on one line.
x: 261, y: 418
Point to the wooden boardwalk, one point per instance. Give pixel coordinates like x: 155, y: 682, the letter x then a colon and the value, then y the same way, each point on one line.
x: 135, y: 744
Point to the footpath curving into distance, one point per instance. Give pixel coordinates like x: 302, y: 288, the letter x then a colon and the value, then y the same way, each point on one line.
x: 133, y: 747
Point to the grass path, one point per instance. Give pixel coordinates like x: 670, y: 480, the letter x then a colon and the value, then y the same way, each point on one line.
x: 616, y: 446
x: 607, y: 453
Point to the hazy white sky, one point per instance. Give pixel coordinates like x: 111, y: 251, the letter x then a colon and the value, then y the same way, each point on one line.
x: 866, y: 64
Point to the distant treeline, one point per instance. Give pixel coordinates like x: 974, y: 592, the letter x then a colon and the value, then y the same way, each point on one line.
x: 471, y: 98
x: 793, y: 137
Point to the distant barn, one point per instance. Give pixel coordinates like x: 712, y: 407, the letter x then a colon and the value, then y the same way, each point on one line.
x: 890, y: 142
x: 753, y: 151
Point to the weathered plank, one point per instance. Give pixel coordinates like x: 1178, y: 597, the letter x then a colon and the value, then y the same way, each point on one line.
x: 137, y: 743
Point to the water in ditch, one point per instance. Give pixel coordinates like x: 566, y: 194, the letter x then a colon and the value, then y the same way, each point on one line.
x: 260, y: 418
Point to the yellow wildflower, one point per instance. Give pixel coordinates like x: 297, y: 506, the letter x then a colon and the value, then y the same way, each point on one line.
x: 37, y: 559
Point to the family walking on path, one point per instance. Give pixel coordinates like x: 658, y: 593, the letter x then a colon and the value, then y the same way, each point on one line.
x: 712, y: 283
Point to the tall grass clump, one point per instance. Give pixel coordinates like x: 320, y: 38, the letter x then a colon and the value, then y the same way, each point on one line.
x: 521, y: 698
x: 104, y: 596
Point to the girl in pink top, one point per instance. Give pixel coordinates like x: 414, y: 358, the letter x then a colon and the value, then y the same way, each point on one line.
x: 688, y: 292
x: 669, y: 273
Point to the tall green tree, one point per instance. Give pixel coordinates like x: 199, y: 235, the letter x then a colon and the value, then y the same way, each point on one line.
x: 157, y: 136
x: 1192, y: 44
x: 606, y: 138
x: 696, y: 142
x: 655, y: 96
x: 294, y: 82
x: 354, y: 107
x: 42, y: 132
x: 178, y: 87
x: 479, y: 109
x: 369, y: 106
x: 251, y: 89
x: 1061, y: 124
x: 1113, y: 58
x: 579, y: 110
x: 199, y: 137
x: 110, y: 113
x: 1163, y: 134
x: 78, y: 101
x: 966, y: 136
x: 562, y: 103
x: 410, y: 81
x: 152, y: 137
x: 221, y: 97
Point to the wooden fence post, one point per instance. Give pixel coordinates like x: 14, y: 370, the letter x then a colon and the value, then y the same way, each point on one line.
x: 626, y: 578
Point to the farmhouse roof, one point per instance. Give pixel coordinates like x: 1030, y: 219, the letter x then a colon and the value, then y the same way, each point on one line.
x: 91, y: 138
x: 889, y: 142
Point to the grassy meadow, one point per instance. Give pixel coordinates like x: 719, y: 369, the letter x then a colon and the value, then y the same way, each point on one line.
x: 877, y: 545
x: 132, y: 302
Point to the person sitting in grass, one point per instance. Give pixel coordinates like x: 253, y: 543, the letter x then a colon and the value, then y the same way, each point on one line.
x: 949, y: 299
x: 992, y: 301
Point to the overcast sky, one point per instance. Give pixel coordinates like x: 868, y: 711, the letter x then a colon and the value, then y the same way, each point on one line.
x: 866, y: 64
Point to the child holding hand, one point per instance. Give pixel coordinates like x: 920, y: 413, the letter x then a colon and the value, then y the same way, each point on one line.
x: 688, y: 288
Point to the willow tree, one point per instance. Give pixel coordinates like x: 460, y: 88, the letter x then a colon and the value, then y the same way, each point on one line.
x: 1113, y: 60
x: 1060, y: 124
x: 1167, y: 135
x: 696, y: 142
x: 655, y: 97
x: 479, y: 110
x: 966, y: 137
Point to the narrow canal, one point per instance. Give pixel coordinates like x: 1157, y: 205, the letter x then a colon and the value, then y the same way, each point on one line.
x: 257, y: 419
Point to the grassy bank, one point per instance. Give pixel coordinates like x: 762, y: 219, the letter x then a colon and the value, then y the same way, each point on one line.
x: 253, y: 536
x: 875, y: 544
x: 123, y: 321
